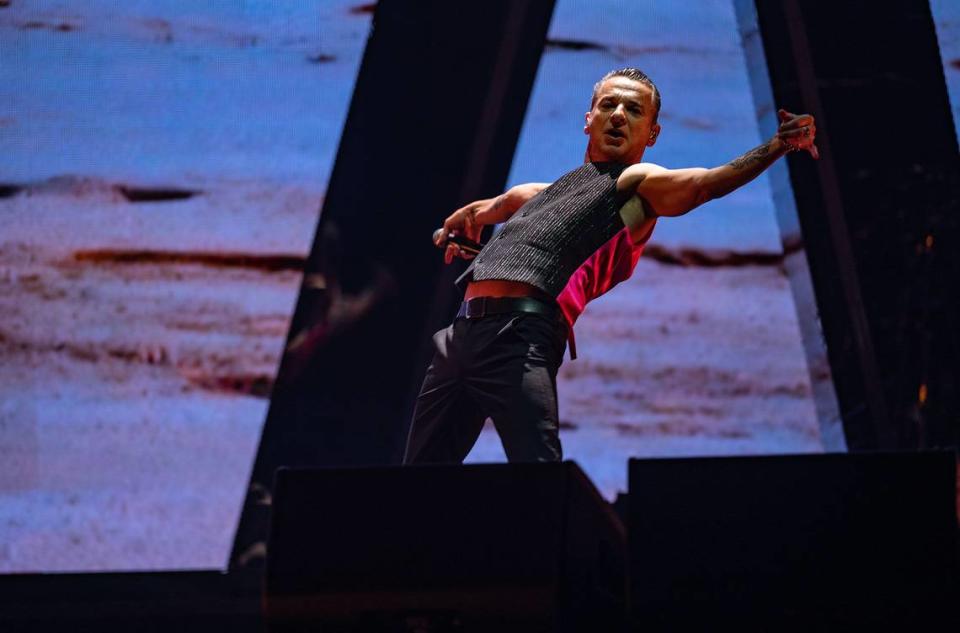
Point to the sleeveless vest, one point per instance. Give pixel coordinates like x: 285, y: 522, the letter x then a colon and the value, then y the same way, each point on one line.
x: 550, y: 236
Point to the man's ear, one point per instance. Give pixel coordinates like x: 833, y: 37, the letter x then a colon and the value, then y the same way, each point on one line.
x: 654, y: 133
x: 587, y: 117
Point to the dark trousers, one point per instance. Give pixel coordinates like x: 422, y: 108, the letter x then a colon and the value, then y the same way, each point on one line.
x: 501, y: 366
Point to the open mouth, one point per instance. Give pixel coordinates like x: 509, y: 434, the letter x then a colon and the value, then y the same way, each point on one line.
x: 615, y: 133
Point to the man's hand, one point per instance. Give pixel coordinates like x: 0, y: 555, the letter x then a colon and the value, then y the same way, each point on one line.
x: 462, y: 222
x: 469, y: 220
x: 797, y: 132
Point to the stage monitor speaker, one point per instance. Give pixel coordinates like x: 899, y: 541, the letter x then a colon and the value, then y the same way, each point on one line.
x: 496, y: 547
x: 793, y: 542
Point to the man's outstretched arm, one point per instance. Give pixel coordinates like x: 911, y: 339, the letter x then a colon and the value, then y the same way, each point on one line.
x: 470, y: 219
x: 672, y: 192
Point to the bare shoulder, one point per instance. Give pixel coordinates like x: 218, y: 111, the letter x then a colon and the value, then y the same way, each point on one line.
x: 520, y: 194
x: 537, y: 187
x: 632, y: 176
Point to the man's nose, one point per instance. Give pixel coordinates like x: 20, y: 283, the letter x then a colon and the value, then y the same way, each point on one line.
x: 619, y: 114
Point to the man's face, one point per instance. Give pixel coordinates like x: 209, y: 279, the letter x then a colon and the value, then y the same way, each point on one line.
x: 620, y: 123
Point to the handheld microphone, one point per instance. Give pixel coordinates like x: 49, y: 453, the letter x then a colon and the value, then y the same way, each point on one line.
x: 465, y: 243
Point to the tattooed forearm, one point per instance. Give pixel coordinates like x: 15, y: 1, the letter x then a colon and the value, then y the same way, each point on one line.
x: 720, y: 181
x: 756, y: 155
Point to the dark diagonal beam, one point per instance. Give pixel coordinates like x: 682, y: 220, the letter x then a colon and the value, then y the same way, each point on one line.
x: 434, y: 120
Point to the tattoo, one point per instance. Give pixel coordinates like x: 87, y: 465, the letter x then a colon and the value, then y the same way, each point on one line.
x: 756, y: 155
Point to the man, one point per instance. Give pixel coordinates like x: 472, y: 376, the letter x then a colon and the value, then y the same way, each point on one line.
x: 564, y: 244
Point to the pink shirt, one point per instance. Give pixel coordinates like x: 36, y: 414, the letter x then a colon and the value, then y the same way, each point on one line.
x: 609, y: 265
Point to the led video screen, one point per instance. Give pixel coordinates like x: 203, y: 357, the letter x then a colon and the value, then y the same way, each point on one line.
x: 162, y: 168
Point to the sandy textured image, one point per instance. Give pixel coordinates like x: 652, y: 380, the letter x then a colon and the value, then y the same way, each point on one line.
x: 137, y: 355
x: 161, y: 174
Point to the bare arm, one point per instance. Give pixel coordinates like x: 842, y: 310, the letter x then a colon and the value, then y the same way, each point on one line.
x: 470, y: 219
x: 502, y: 208
x: 673, y: 192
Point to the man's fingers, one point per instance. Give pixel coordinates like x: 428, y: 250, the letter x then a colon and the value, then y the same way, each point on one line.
x: 799, y: 121
x: 814, y: 152
x: 807, y: 131
x: 455, y: 220
x: 451, y: 252
x: 802, y: 131
x: 791, y: 120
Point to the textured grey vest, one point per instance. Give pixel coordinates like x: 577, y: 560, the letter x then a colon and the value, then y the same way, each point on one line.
x: 550, y: 236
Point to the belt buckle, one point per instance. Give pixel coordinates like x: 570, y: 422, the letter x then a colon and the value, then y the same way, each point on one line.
x: 476, y: 307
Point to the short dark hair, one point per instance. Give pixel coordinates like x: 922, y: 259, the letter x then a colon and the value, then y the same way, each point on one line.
x: 630, y: 73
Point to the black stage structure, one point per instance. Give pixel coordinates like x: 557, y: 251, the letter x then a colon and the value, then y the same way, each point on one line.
x: 457, y: 77
x: 876, y: 220
x: 878, y: 216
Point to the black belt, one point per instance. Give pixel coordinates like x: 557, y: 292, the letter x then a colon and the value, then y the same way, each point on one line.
x: 484, y: 306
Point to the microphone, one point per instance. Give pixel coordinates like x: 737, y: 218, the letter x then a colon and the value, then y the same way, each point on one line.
x: 465, y: 243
